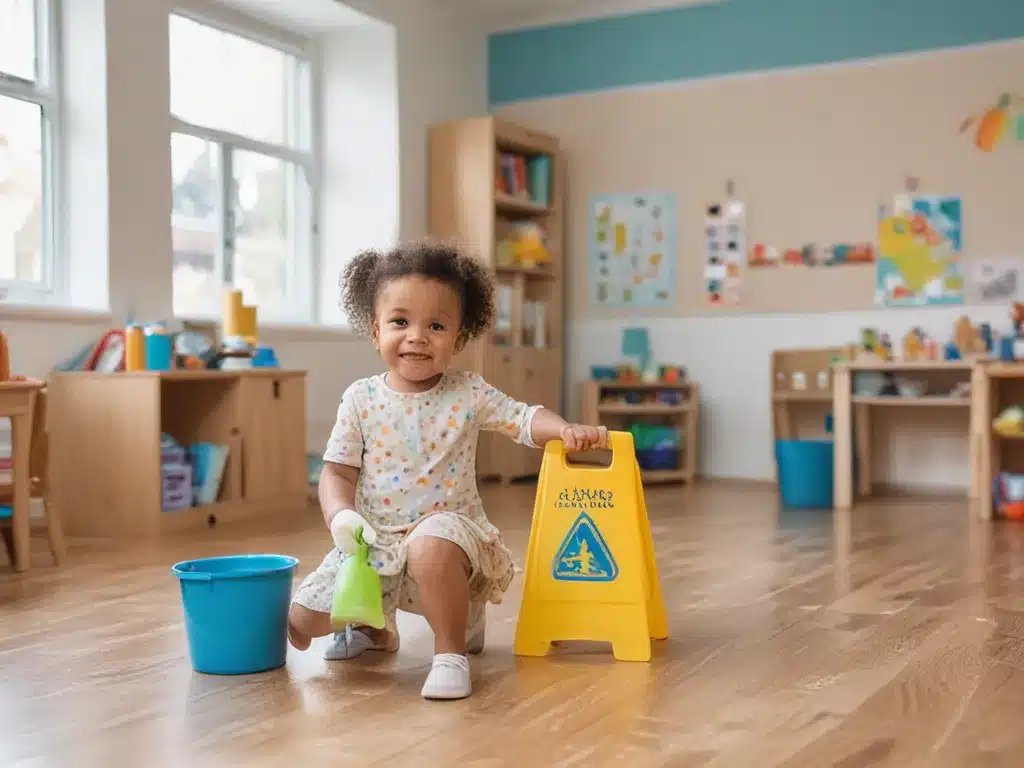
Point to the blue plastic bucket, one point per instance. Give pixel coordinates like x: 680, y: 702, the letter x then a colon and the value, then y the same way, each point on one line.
x: 805, y: 472
x: 236, y: 611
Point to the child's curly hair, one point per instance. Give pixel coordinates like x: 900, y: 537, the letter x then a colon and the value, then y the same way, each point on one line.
x: 366, y: 275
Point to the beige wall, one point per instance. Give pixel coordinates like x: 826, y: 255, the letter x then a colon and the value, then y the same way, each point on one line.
x: 438, y: 67
x: 812, y: 153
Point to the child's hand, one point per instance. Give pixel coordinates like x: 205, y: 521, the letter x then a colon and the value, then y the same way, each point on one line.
x: 580, y: 437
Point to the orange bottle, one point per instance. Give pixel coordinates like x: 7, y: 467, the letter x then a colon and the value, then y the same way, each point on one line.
x: 134, y: 349
x: 5, y: 359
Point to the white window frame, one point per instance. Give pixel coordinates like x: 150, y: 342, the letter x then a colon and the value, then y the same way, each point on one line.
x: 300, y: 299
x: 44, y: 91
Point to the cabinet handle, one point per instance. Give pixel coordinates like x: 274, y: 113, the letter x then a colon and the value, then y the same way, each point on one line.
x: 506, y: 359
x: 277, y: 389
x: 529, y: 373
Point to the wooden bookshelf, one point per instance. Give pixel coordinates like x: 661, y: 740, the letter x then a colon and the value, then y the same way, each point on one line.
x: 600, y: 406
x: 471, y: 205
x: 801, y: 378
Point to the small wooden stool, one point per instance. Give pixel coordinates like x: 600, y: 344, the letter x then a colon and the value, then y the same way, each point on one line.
x: 34, y: 472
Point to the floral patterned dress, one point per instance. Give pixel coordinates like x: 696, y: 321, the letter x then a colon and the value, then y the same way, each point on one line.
x: 417, y: 456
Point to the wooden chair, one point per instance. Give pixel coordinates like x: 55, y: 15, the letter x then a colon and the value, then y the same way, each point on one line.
x: 38, y: 465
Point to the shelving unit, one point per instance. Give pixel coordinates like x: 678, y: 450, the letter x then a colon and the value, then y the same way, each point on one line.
x: 471, y: 206
x: 852, y: 413
x: 105, y: 446
x: 994, y: 386
x: 597, y: 410
x: 800, y: 378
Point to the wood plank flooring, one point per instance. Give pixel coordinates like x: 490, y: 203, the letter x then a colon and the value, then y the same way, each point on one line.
x: 893, y: 636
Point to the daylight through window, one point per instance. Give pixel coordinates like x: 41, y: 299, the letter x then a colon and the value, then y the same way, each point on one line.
x: 28, y: 121
x: 241, y: 157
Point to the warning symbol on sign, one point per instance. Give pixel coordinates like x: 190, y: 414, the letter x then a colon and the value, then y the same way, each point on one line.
x: 584, y: 555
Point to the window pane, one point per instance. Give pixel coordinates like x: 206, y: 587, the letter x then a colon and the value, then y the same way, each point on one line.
x: 196, y: 225
x: 230, y: 83
x: 267, y: 198
x: 21, y: 190
x: 18, y: 38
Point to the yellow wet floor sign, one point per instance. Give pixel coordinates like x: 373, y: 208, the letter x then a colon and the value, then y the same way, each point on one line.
x: 590, y: 570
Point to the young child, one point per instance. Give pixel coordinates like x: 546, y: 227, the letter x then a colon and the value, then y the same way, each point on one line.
x: 402, y: 456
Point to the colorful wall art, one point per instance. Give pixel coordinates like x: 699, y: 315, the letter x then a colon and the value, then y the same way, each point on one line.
x: 920, y: 246
x: 633, y: 250
x: 996, y: 123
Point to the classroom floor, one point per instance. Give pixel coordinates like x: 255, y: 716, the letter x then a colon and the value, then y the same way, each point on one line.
x: 894, y: 636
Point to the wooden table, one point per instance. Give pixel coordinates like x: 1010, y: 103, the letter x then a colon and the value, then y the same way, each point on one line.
x: 17, y: 402
x: 851, y: 410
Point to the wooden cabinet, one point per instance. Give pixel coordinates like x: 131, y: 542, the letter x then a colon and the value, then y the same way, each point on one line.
x: 272, y: 407
x: 532, y: 376
x: 105, y: 432
x: 470, y: 204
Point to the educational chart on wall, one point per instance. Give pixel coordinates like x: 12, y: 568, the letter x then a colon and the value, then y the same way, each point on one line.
x: 919, y: 261
x: 725, y: 230
x: 633, y: 250
x: 996, y: 279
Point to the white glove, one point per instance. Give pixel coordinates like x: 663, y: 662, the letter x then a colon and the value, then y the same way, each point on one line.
x: 343, y: 530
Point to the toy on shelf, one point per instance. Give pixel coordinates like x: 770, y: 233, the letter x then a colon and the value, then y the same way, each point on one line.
x: 967, y: 339
x: 657, y: 446
x: 239, y: 320
x: 1008, y: 495
x: 525, y: 246
x: 638, y: 363
x: 874, y: 344
x: 239, y: 337
x: 671, y: 374
x: 1010, y: 423
x: 915, y: 345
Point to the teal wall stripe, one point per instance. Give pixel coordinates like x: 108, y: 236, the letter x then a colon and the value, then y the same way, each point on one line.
x: 731, y: 37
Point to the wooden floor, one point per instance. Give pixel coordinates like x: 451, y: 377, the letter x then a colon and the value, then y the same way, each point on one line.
x: 895, y: 637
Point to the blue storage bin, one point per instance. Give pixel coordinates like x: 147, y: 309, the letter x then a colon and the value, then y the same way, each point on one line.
x: 236, y: 611
x: 658, y: 458
x: 805, y: 470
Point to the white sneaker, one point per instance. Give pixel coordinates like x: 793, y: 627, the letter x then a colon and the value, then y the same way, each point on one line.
x: 449, y: 678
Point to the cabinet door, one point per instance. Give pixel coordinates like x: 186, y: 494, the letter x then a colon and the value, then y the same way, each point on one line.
x: 494, y: 457
x: 540, y: 387
x: 274, y: 436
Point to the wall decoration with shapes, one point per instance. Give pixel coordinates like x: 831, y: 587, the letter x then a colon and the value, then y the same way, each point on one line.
x: 633, y: 250
x: 725, y: 232
x: 919, y: 260
x: 990, y: 127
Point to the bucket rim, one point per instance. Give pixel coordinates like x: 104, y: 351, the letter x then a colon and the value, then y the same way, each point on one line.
x: 185, y: 569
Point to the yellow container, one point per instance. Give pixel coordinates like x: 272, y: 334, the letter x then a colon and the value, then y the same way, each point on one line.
x: 134, y: 349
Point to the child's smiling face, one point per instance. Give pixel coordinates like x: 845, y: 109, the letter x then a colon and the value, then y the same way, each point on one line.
x: 416, y: 331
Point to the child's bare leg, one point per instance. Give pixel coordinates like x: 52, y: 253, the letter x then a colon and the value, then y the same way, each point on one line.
x: 305, y: 624
x: 441, y: 571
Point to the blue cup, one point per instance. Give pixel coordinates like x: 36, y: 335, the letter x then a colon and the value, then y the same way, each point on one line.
x: 158, y: 349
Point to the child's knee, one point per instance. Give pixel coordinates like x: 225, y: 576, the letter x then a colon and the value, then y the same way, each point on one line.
x: 433, y: 558
x: 305, y: 624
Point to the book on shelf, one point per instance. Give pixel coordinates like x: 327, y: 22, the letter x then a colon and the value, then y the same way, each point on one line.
x: 524, y: 177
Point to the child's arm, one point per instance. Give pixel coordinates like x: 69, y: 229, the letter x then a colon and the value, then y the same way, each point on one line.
x: 548, y: 425
x: 337, y: 489
x: 531, y: 425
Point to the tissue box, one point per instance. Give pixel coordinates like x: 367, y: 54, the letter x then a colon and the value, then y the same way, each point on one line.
x: 176, y: 486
